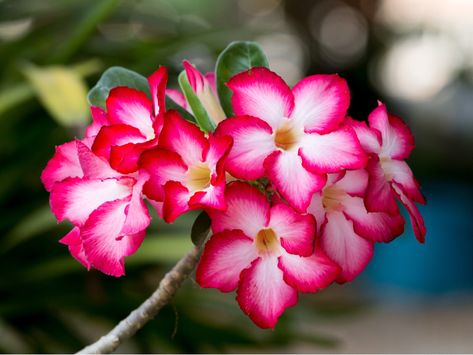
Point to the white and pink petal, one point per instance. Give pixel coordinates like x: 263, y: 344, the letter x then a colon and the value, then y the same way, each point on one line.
x: 252, y: 144
x: 76, y: 198
x: 417, y: 221
x: 131, y: 107
x: 64, y: 164
x: 183, y: 137
x: 321, y: 102
x: 332, y: 152
x: 397, y: 139
x: 341, y: 244
x: 104, y: 245
x: 308, y: 274
x: 261, y: 93
x: 162, y: 166
x: 157, y: 84
x: 374, y: 226
x: 247, y: 210
x: 296, y: 231
x: 292, y: 180
x: 74, y: 243
x: 225, y: 255
x: 263, y: 294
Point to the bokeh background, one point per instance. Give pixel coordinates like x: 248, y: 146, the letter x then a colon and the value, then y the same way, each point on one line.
x: 415, y: 55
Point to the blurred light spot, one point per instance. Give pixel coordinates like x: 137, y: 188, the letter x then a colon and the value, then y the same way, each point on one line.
x: 258, y: 7
x: 417, y: 68
x: 341, y: 32
x: 13, y: 30
x: 286, y: 55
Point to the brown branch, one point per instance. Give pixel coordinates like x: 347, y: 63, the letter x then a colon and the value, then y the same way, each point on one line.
x: 148, y: 309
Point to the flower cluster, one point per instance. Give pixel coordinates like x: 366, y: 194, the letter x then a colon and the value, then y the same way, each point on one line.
x: 297, y: 191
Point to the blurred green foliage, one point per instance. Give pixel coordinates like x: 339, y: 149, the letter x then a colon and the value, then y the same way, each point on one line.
x: 48, y: 301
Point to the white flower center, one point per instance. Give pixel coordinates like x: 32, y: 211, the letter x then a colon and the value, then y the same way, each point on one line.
x: 332, y: 198
x: 267, y: 242
x: 198, y: 177
x: 287, y: 136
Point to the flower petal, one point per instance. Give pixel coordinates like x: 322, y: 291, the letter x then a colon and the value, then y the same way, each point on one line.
x: 157, y: 84
x: 370, y: 139
x: 341, y: 244
x: 74, y: 242
x: 131, y: 107
x: 104, y: 245
x: 183, y: 137
x: 218, y: 150
x: 291, y: 179
x: 400, y: 172
x: 261, y: 93
x: 124, y: 158
x: 99, y: 119
x: 397, y: 138
x: 316, y: 208
x: 263, y: 294
x: 332, y: 152
x: 252, y: 143
x: 176, y: 201
x: 374, y: 226
x: 354, y: 182
x: 321, y: 102
x: 162, y: 166
x: 76, y: 198
x: 212, y: 197
x: 379, y: 194
x: 225, y: 255
x: 308, y: 274
x: 247, y: 210
x: 137, y: 215
x: 64, y: 164
x: 417, y: 221
x: 93, y: 166
x: 296, y: 231
x: 115, y: 135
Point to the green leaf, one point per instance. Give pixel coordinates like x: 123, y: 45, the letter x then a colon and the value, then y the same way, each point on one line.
x: 118, y: 76
x: 236, y: 58
x: 201, y: 116
x: 62, y: 92
x: 200, y: 229
x: 113, y: 77
x: 172, y: 105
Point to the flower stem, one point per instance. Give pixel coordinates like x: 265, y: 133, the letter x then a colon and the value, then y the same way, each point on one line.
x: 149, y: 308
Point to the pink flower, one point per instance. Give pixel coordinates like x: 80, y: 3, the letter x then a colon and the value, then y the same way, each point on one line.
x: 346, y: 229
x: 293, y: 137
x: 106, y: 208
x: 187, y: 169
x: 389, y: 142
x: 266, y: 253
x: 131, y: 123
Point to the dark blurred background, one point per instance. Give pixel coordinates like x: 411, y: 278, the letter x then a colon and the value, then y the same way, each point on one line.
x: 415, y: 55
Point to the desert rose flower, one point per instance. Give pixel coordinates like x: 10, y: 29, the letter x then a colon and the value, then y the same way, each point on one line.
x: 389, y: 142
x: 131, y: 124
x: 186, y: 170
x: 347, y: 230
x: 294, y: 137
x: 106, y: 208
x: 265, y: 252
